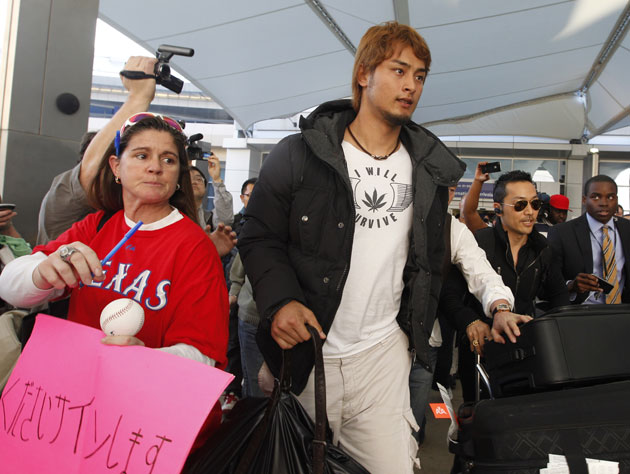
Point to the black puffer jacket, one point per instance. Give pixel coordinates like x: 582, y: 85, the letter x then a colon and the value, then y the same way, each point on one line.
x: 297, y: 238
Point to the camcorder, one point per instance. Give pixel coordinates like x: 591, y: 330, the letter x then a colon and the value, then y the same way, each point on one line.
x: 194, y: 149
x: 162, y: 69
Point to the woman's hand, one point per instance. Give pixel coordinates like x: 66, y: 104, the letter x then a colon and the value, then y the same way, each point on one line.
x: 477, y: 333
x: 80, y: 264
x: 122, y: 341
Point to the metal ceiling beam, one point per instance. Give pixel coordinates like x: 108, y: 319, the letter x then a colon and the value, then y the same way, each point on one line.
x: 615, y: 38
x: 611, y: 123
x: 328, y: 20
x: 401, y: 11
x: 471, y: 117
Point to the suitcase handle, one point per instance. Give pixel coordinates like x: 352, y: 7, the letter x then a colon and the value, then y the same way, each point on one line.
x: 481, y: 375
x: 519, y: 353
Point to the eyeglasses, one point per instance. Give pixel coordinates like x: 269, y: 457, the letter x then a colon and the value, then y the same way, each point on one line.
x: 247, y: 194
x: 134, y: 119
x: 197, y: 179
x: 522, y: 204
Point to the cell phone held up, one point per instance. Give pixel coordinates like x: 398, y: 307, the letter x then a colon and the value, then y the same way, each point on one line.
x: 6, y: 206
x: 492, y: 167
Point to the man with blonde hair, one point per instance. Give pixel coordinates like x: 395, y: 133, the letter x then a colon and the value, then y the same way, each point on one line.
x: 344, y: 233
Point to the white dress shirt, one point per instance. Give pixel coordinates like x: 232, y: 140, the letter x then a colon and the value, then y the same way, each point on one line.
x: 483, y: 282
x: 597, y: 240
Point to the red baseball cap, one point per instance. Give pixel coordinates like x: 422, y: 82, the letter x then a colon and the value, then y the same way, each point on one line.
x: 559, y: 202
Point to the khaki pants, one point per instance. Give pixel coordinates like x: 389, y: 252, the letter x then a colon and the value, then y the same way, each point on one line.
x: 367, y: 400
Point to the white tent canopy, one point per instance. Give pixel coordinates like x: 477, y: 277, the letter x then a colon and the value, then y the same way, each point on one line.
x: 500, y: 67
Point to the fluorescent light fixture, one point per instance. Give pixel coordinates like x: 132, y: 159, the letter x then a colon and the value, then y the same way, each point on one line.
x: 541, y: 175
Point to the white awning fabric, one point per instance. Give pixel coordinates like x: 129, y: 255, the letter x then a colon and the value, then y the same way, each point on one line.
x: 500, y: 67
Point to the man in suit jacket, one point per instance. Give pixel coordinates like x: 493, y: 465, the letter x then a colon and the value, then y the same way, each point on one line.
x: 579, y: 246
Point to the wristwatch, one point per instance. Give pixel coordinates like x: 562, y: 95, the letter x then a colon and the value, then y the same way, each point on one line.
x: 501, y: 307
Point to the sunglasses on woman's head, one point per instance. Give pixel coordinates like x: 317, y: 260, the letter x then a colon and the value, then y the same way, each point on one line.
x: 134, y: 119
x: 522, y: 204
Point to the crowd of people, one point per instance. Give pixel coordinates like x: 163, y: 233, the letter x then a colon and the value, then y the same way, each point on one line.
x: 346, y: 230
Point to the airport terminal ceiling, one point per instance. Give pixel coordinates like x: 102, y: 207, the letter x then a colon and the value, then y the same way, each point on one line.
x: 542, y: 68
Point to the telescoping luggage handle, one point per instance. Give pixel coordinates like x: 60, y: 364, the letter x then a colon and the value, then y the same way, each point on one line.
x: 284, y: 385
x: 480, y: 375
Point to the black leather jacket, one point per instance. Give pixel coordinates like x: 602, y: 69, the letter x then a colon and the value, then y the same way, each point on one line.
x: 536, y: 276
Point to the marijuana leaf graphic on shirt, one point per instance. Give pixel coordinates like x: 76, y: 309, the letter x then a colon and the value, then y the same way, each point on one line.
x: 375, y: 202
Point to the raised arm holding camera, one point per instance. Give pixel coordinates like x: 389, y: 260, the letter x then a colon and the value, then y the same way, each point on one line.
x: 223, y: 202
x: 470, y: 202
x: 66, y: 201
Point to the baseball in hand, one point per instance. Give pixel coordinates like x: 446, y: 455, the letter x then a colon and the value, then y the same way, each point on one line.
x: 122, y: 317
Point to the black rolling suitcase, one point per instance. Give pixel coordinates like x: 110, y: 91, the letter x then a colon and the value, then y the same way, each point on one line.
x: 569, y: 346
x: 515, y: 435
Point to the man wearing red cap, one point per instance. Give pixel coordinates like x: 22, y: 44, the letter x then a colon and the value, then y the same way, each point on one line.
x: 558, y: 209
x: 554, y: 211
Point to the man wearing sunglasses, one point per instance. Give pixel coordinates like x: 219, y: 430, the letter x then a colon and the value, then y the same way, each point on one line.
x: 518, y: 252
x: 521, y: 256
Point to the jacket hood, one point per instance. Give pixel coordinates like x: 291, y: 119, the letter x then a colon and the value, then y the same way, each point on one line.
x: 324, y: 129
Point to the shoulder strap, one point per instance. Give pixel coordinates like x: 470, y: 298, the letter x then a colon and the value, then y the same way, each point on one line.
x: 446, y: 261
x: 106, y: 216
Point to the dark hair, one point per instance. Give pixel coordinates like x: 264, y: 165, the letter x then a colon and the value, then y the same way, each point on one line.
x: 86, y: 139
x: 378, y: 44
x: 600, y: 178
x: 510, y: 177
x: 105, y: 194
x: 205, y: 181
x: 247, y: 183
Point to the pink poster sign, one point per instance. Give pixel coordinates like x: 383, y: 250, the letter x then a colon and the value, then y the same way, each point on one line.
x: 75, y: 405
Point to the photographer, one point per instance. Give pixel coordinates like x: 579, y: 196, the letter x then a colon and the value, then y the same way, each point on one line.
x: 223, y: 203
x: 66, y: 201
x: 470, y: 202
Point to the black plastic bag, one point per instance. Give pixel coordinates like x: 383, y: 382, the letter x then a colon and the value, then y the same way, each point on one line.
x: 275, y: 435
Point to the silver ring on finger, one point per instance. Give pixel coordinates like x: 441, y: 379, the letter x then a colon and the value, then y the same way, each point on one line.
x: 65, y: 252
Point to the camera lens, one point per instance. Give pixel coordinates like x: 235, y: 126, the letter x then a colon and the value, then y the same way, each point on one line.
x: 164, y: 71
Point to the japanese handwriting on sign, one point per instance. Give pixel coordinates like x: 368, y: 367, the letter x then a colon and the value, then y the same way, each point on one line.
x: 33, y: 415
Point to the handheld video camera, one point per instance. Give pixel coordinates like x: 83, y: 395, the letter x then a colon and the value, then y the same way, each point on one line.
x: 194, y: 149
x: 162, y: 69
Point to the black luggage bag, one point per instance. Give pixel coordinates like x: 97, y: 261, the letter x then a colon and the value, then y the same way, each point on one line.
x: 515, y: 435
x: 569, y: 346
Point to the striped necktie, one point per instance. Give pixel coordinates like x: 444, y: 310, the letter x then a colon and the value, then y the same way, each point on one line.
x: 610, y: 268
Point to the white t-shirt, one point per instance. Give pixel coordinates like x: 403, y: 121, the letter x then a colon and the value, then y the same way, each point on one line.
x: 383, y: 196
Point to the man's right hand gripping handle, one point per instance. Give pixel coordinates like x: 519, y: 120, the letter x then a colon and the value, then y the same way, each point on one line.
x: 289, y: 325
